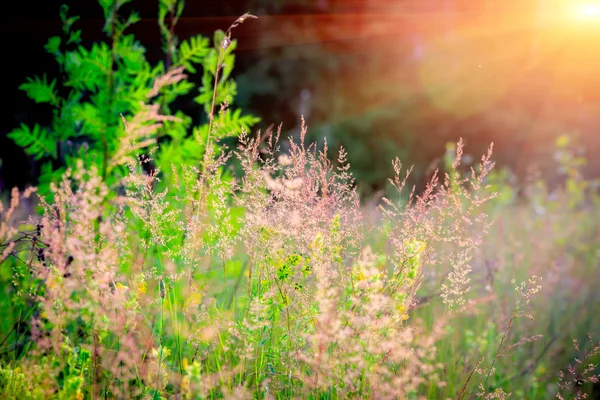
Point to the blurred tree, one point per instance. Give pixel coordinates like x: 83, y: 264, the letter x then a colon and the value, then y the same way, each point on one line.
x: 317, y: 60
x: 402, y: 78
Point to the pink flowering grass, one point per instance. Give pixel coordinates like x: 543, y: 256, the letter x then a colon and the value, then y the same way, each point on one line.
x: 280, y: 284
x: 147, y: 279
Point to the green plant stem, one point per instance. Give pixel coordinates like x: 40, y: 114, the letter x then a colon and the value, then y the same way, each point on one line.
x: 214, y: 100
x: 113, y: 47
x: 508, y: 326
x: 160, y: 342
x: 463, y: 391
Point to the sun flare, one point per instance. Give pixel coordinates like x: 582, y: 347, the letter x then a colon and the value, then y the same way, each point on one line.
x: 587, y: 10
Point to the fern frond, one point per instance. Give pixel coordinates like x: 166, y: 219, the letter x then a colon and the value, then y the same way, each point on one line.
x: 36, y: 142
x: 230, y: 123
x: 40, y: 90
x: 191, y: 52
x: 53, y: 45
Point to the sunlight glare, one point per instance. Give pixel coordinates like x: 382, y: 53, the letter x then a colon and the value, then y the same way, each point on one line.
x: 587, y: 10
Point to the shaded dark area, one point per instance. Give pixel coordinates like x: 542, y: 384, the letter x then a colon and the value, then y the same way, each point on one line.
x: 380, y: 77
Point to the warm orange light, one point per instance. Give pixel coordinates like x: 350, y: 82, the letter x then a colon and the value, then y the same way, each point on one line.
x: 587, y: 10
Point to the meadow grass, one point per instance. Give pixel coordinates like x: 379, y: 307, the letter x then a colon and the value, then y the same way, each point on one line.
x: 280, y: 284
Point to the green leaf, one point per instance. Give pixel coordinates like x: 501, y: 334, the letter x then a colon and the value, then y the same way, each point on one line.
x: 226, y: 89
x: 40, y: 90
x: 130, y: 54
x: 67, y: 22
x: 180, y: 88
x: 53, y: 45
x: 36, y: 142
x: 74, y: 37
x: 88, y: 69
x: 93, y: 124
x: 133, y: 18
x: 169, y: 5
x: 111, y: 8
x: 192, y: 51
x: 107, y: 6
x: 180, y: 6
x: 230, y: 123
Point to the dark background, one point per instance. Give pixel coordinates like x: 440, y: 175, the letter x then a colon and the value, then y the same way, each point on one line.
x: 380, y: 77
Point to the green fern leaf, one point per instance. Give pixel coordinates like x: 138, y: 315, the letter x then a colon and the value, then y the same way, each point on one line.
x: 192, y: 51
x: 130, y: 54
x: 36, y: 142
x: 40, y: 90
x: 53, y: 45
x: 89, y: 69
x: 226, y: 91
x: 74, y: 37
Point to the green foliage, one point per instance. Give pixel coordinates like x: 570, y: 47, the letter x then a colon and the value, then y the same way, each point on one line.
x: 36, y: 142
x: 99, y: 84
x: 15, y: 385
x: 73, y: 376
x: 571, y: 165
x: 501, y: 181
x: 39, y: 89
x: 192, y: 51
